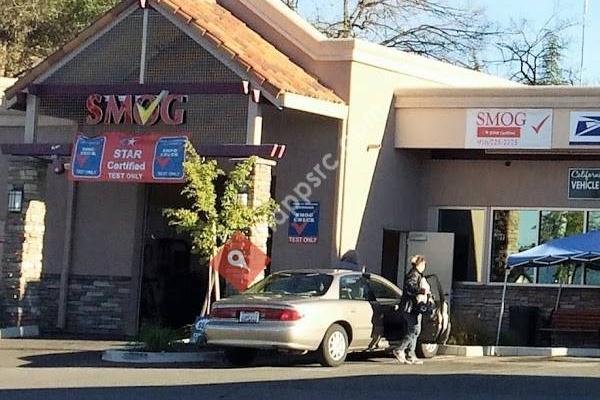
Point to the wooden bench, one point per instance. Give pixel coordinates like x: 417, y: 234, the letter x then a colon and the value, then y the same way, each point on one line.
x: 573, y: 321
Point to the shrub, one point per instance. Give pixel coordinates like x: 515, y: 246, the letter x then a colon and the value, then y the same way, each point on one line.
x: 469, y: 331
x: 157, y: 339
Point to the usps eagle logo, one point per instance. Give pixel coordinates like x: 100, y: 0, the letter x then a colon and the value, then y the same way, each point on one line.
x: 588, y: 126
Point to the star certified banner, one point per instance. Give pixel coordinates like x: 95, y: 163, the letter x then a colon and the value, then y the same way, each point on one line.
x: 129, y: 157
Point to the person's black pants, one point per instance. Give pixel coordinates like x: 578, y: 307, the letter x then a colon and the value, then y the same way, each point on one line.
x: 408, y: 344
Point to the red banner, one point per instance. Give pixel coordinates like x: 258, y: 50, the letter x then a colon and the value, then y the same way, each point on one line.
x: 129, y: 157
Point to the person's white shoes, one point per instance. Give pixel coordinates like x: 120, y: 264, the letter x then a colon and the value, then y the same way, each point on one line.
x: 400, y: 357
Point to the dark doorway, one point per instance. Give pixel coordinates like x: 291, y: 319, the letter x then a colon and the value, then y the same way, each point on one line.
x: 173, y: 281
x: 389, y: 257
x: 461, y: 223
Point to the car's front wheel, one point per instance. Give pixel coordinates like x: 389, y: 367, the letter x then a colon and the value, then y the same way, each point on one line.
x: 334, y: 348
x: 239, y: 356
x: 427, y: 350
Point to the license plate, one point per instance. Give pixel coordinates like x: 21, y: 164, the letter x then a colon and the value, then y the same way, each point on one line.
x: 249, y: 317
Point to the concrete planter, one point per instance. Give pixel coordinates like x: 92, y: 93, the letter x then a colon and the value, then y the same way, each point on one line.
x: 140, y: 357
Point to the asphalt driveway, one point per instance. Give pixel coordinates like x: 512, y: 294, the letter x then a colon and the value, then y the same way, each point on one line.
x: 41, y: 369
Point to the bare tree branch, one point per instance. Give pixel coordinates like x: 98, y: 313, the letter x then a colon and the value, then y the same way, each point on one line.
x: 535, y: 57
x: 427, y: 27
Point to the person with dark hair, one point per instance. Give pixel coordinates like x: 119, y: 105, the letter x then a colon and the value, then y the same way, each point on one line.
x: 350, y: 261
x: 412, y: 294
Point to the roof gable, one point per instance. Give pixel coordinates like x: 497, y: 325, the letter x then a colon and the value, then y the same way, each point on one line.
x: 233, y: 40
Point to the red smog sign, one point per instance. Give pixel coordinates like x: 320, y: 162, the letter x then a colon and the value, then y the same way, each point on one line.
x: 146, y: 110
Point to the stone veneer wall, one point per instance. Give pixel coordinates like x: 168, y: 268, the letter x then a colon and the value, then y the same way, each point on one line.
x: 480, y: 304
x: 95, y: 305
x: 261, y: 181
x: 22, y: 253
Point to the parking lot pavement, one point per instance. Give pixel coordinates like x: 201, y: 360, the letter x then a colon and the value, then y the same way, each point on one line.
x: 51, y: 370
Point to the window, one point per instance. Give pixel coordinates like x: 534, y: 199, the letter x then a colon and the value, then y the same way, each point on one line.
x: 355, y: 287
x: 514, y: 231
x: 592, y: 275
x: 468, y: 227
x: 299, y: 284
x: 382, y: 291
x: 556, y: 225
x: 593, y: 221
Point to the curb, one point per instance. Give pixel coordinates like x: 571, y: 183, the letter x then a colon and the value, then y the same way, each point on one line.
x: 20, y: 332
x: 139, y: 357
x: 511, y: 351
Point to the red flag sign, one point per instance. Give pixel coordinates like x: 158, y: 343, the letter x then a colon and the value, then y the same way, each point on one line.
x: 240, y: 261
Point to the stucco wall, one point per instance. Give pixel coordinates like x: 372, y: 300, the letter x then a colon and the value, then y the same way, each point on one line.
x: 382, y: 185
x: 491, y: 183
x: 308, y: 139
x: 104, y: 238
x: 433, y: 127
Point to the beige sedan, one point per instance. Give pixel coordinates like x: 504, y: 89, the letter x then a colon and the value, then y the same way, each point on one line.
x: 333, y: 312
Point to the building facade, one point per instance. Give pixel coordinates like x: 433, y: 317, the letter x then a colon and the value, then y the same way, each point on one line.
x: 376, y: 143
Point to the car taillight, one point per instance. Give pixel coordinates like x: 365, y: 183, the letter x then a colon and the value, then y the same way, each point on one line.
x: 278, y: 314
x: 290, y: 315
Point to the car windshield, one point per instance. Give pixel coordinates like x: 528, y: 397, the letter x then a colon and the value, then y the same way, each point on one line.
x: 297, y: 284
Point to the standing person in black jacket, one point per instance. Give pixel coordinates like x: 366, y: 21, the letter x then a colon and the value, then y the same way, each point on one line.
x: 405, y: 350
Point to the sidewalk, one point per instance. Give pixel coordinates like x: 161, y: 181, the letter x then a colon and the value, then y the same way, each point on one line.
x: 514, y: 351
x: 58, y: 344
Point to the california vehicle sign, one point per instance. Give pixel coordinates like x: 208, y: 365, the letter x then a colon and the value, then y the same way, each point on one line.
x: 584, y: 184
x: 585, y: 128
x: 509, y: 129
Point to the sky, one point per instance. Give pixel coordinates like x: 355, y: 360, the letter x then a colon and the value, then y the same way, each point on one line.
x: 537, y: 13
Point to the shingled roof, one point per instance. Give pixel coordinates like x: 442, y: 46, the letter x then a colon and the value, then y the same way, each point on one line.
x: 264, y: 63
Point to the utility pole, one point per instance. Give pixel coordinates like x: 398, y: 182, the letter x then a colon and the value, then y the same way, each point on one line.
x: 585, y: 11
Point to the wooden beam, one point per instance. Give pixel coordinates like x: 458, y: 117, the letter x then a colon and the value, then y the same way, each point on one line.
x: 31, y: 118
x: 218, y: 88
x: 268, y: 151
x: 255, y: 123
x: 67, y: 256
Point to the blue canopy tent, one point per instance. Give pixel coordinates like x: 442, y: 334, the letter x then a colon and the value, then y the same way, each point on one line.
x: 584, y: 248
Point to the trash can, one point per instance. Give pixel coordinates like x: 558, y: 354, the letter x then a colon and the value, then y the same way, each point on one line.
x: 522, y: 322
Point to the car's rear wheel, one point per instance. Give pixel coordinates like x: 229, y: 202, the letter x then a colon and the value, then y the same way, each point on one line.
x: 240, y: 356
x: 427, y: 350
x: 334, y: 347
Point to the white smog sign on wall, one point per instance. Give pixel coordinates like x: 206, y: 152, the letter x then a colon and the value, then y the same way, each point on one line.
x: 491, y: 128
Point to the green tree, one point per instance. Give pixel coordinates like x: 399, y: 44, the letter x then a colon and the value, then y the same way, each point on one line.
x: 552, y: 72
x: 211, y: 220
x: 30, y: 30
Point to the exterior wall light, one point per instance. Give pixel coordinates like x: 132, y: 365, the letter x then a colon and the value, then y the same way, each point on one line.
x: 15, y: 200
x: 373, y: 147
